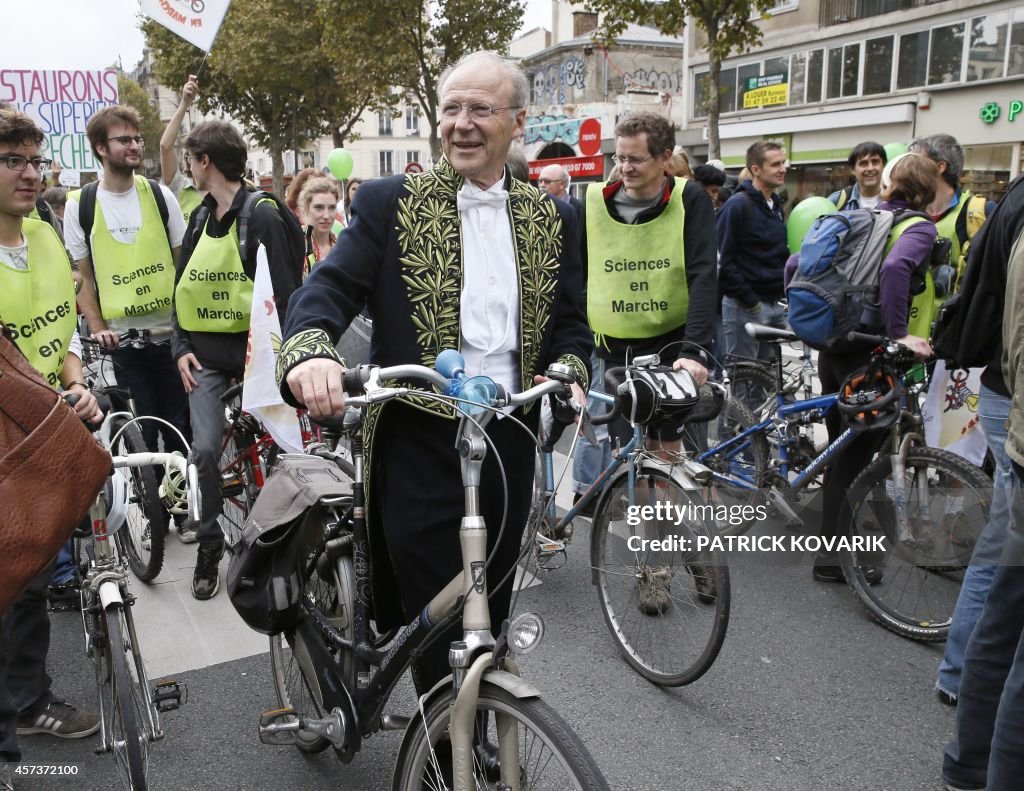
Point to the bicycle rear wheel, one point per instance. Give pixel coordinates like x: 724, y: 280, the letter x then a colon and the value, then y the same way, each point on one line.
x: 667, y: 609
x: 551, y: 755
x: 947, y: 508
x: 753, y: 384
x: 142, y: 536
x: 739, y: 472
x: 124, y: 709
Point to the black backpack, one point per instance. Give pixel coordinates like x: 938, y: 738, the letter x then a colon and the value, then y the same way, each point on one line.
x: 970, y: 323
x: 87, y: 209
x: 296, y: 236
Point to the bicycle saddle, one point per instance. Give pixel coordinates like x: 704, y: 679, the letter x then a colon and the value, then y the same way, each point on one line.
x: 762, y: 332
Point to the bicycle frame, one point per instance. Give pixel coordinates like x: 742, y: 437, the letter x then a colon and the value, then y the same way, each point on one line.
x: 358, y: 711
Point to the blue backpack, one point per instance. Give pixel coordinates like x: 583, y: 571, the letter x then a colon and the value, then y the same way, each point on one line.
x: 835, y: 288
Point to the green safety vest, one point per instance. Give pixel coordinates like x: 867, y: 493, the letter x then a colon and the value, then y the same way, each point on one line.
x: 925, y: 306
x: 636, y: 274
x: 38, y: 304
x: 188, y: 200
x: 214, y: 294
x: 134, y: 279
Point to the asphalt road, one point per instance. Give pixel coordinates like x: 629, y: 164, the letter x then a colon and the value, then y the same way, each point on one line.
x: 807, y: 694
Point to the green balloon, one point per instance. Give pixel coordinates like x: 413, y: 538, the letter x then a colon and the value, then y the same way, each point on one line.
x: 339, y: 162
x: 802, y: 218
x: 893, y: 150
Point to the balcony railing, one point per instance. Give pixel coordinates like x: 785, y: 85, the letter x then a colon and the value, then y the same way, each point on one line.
x: 835, y: 12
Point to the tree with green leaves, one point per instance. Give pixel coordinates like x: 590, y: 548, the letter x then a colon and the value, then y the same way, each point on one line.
x: 283, y: 82
x: 431, y: 37
x: 730, y: 26
x: 134, y: 95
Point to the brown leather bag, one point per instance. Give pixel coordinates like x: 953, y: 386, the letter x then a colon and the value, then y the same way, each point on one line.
x: 51, y: 469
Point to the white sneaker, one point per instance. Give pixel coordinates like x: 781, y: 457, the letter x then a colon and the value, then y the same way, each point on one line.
x: 188, y: 532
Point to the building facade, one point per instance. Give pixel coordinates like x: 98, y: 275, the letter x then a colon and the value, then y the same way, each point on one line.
x: 882, y: 70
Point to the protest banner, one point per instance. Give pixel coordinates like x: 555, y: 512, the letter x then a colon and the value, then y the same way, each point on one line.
x: 196, y: 22
x: 61, y: 103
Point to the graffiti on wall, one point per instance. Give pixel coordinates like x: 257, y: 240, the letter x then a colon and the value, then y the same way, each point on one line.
x: 552, y: 83
x: 548, y: 128
x: 653, y: 79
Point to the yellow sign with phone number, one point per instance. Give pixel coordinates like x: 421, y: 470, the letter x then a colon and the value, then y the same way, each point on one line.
x: 767, y: 96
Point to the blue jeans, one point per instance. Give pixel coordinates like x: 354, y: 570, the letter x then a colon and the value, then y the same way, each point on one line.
x: 737, y: 342
x: 986, y: 749
x: 590, y: 460
x: 993, y: 409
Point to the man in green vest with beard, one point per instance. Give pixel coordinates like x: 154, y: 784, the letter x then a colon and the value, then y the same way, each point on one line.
x: 212, y: 307
x: 125, y: 252
x: 958, y: 216
x: 649, y: 253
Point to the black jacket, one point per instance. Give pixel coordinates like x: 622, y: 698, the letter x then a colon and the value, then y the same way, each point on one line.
x: 752, y: 247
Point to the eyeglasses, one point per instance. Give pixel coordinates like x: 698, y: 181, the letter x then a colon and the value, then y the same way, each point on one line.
x: 19, y: 163
x: 478, y: 111
x: 127, y: 140
x: 190, y: 158
x: 627, y: 160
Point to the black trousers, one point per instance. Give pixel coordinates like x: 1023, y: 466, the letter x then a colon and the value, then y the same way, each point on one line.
x: 418, y: 492
x: 833, y: 369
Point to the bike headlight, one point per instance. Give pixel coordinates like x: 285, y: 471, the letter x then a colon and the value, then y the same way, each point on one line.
x: 524, y: 633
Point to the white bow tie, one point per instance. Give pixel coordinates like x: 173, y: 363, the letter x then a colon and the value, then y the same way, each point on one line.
x: 482, y: 198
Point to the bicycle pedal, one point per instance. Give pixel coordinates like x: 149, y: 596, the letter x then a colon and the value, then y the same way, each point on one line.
x: 279, y: 726
x: 169, y: 695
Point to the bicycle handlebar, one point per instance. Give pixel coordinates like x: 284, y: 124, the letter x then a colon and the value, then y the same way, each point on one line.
x: 170, y: 461
x: 131, y: 339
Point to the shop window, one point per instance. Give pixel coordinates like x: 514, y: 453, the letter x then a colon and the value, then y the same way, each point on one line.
x: 913, y: 64
x: 988, y: 47
x: 835, y: 72
x: 878, y: 65
x: 797, y: 78
x: 815, y: 66
x: 946, y: 54
x: 1016, y: 60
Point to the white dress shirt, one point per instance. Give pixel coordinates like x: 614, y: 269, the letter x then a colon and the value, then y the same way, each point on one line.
x: 490, y: 286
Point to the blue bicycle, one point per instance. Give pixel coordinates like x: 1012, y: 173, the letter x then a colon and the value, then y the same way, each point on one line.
x: 921, y: 509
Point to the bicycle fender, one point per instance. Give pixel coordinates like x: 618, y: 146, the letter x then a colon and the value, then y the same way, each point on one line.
x: 500, y: 678
x: 110, y: 594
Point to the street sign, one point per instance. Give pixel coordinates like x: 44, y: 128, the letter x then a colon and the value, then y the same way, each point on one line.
x: 578, y: 167
x: 414, y: 167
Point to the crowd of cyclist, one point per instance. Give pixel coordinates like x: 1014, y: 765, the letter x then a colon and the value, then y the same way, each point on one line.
x: 666, y: 266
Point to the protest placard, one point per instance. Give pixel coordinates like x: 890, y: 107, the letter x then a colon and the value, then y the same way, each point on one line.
x: 61, y: 103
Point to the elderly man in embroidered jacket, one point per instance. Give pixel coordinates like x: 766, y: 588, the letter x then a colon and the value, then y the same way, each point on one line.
x: 461, y: 256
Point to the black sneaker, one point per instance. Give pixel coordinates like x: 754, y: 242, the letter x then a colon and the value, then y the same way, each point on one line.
x: 206, y: 580
x: 946, y: 697
x: 58, y: 718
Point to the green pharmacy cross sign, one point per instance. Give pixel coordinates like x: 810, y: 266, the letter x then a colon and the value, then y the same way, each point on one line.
x: 991, y: 111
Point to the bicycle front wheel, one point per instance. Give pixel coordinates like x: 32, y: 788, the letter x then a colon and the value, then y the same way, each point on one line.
x: 665, y: 602
x: 551, y: 755
x: 124, y: 709
x: 923, y: 556
x: 142, y: 535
